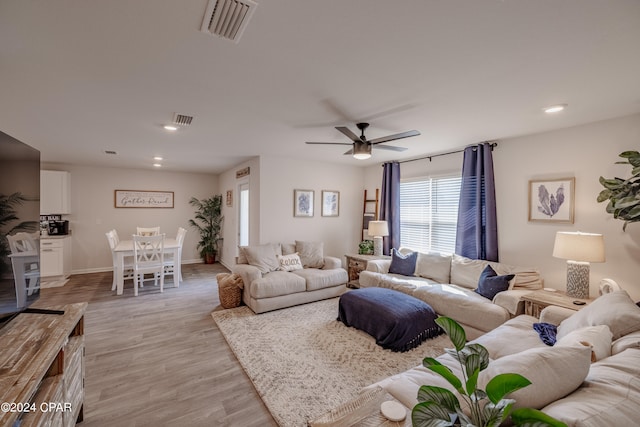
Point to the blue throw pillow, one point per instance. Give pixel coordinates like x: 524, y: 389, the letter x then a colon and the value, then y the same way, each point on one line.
x: 547, y: 332
x: 490, y: 283
x: 403, y: 264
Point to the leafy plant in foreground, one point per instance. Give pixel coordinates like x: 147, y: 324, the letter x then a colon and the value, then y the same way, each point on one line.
x: 439, y: 407
x: 623, y: 194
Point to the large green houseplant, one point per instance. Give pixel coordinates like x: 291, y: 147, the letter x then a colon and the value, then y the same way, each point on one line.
x: 8, y: 218
x: 208, y: 222
x: 439, y: 407
x: 623, y: 194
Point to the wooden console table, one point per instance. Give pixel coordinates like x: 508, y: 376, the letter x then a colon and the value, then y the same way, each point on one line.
x: 535, y: 301
x: 42, y: 368
x: 356, y: 263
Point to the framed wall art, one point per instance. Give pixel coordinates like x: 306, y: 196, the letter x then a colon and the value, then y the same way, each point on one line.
x: 303, y: 203
x: 552, y: 200
x: 229, y: 198
x: 143, y: 199
x: 330, y: 203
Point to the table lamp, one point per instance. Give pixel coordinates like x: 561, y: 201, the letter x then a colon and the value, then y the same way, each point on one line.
x: 378, y: 229
x: 579, y: 249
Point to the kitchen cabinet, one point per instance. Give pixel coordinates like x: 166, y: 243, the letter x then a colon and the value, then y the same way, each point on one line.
x: 55, y: 189
x: 55, y: 256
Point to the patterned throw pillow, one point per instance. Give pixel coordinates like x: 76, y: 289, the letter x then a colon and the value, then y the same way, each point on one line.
x: 490, y: 283
x: 289, y: 262
x: 403, y: 264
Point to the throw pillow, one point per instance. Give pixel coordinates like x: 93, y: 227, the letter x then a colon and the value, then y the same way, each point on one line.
x: 597, y: 337
x: 242, y: 258
x: 263, y: 257
x: 547, y: 332
x: 554, y: 372
x: 615, y: 309
x: 631, y: 340
x: 490, y: 283
x: 289, y: 262
x: 403, y: 264
x: 434, y: 266
x: 311, y: 254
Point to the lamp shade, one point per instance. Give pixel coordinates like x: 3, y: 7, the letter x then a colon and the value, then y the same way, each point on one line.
x: 378, y: 228
x: 576, y: 246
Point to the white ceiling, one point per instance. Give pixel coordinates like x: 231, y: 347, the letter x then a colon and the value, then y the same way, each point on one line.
x: 78, y: 77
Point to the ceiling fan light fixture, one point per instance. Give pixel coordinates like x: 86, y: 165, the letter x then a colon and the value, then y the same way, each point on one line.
x: 361, y: 150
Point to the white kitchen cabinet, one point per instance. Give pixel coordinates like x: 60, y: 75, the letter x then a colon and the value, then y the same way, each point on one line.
x: 55, y: 257
x: 55, y: 189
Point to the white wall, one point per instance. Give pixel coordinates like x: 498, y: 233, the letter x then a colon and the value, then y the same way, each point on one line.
x: 584, y: 152
x: 93, y: 211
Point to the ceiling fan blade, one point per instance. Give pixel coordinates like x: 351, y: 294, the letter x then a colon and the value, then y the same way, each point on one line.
x: 352, y: 136
x: 401, y: 135
x: 348, y: 152
x: 330, y: 143
x: 391, y: 148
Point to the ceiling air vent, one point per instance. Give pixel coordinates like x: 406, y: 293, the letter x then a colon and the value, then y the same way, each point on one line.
x: 182, y: 119
x: 228, y: 18
x: 113, y: 153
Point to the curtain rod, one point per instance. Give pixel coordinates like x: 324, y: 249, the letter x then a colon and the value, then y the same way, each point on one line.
x: 492, y: 145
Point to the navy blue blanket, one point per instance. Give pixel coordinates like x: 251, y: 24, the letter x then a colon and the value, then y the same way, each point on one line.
x: 397, y: 321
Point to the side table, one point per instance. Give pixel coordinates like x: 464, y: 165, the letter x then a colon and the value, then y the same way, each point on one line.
x: 535, y: 301
x: 356, y: 263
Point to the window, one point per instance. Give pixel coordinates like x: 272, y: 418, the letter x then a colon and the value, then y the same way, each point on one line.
x: 429, y: 213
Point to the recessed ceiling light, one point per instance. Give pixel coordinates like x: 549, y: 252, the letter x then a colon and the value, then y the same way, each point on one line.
x: 171, y: 128
x: 157, y: 158
x: 554, y: 108
x: 157, y: 165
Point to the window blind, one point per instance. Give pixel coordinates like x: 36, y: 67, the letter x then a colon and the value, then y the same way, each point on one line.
x: 429, y: 213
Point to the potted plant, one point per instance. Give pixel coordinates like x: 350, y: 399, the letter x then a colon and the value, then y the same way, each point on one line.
x: 208, y: 222
x: 440, y: 407
x: 623, y: 194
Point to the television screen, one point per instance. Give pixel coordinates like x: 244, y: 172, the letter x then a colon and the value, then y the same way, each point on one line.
x: 19, y: 216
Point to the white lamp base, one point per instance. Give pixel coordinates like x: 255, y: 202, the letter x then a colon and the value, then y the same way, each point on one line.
x: 377, y: 245
x: 578, y: 279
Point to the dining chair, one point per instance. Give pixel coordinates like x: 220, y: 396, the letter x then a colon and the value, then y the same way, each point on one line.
x: 170, y: 264
x: 147, y: 231
x: 25, y: 262
x: 127, y: 274
x: 148, y: 257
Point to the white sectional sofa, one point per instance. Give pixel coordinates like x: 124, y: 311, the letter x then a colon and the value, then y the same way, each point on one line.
x: 266, y: 287
x: 566, y: 383
x: 447, y: 283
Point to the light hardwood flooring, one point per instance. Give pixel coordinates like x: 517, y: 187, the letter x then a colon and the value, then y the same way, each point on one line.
x: 159, y: 359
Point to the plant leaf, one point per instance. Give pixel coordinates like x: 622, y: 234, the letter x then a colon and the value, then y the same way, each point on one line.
x: 472, y: 380
x: 534, y: 417
x: 454, y: 331
x: 626, y: 202
x: 446, y: 373
x: 439, y: 395
x: 604, y: 195
x: 494, y: 414
x: 629, y: 154
x: 503, y: 384
x: 430, y: 414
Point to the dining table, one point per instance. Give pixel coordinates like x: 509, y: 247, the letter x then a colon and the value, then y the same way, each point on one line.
x: 124, y: 249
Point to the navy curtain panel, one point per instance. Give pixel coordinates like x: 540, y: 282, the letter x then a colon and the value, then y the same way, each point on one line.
x: 477, y: 232
x: 390, y: 205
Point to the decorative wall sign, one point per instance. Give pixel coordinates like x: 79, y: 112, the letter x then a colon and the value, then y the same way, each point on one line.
x: 330, y: 203
x: 243, y: 172
x: 552, y: 200
x: 229, y: 198
x: 143, y: 199
x: 303, y: 203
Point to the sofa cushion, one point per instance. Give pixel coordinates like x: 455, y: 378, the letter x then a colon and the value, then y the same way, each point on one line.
x: 490, y: 283
x: 403, y: 264
x: 320, y: 279
x: 289, y: 262
x: 242, y: 258
x: 597, y: 337
x: 554, y: 372
x: 615, y: 309
x: 631, y: 340
x: 277, y: 283
x: 311, y: 254
x: 466, y: 272
x: 288, y: 248
x: 434, y: 266
x: 263, y: 257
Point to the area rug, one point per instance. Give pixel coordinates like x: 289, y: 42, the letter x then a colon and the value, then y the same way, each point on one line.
x: 303, y: 362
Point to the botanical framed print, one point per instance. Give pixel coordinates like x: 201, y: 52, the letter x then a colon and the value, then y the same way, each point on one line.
x: 552, y: 200
x: 330, y: 203
x: 303, y: 203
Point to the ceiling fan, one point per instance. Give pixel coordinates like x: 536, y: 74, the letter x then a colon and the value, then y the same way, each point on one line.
x: 361, y: 146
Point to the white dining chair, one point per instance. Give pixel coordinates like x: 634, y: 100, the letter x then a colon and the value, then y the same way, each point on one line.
x: 25, y: 262
x: 147, y: 231
x: 170, y: 264
x: 148, y: 258
x: 127, y: 274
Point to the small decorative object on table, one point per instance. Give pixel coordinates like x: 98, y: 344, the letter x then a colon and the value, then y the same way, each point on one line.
x: 378, y: 230
x: 365, y: 247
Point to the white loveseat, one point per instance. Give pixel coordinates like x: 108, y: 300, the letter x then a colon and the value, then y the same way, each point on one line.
x: 566, y: 384
x: 447, y: 283
x: 267, y: 288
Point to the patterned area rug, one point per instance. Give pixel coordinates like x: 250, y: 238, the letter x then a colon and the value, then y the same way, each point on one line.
x: 303, y: 362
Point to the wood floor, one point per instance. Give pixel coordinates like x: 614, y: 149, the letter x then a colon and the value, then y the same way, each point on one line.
x: 159, y: 359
